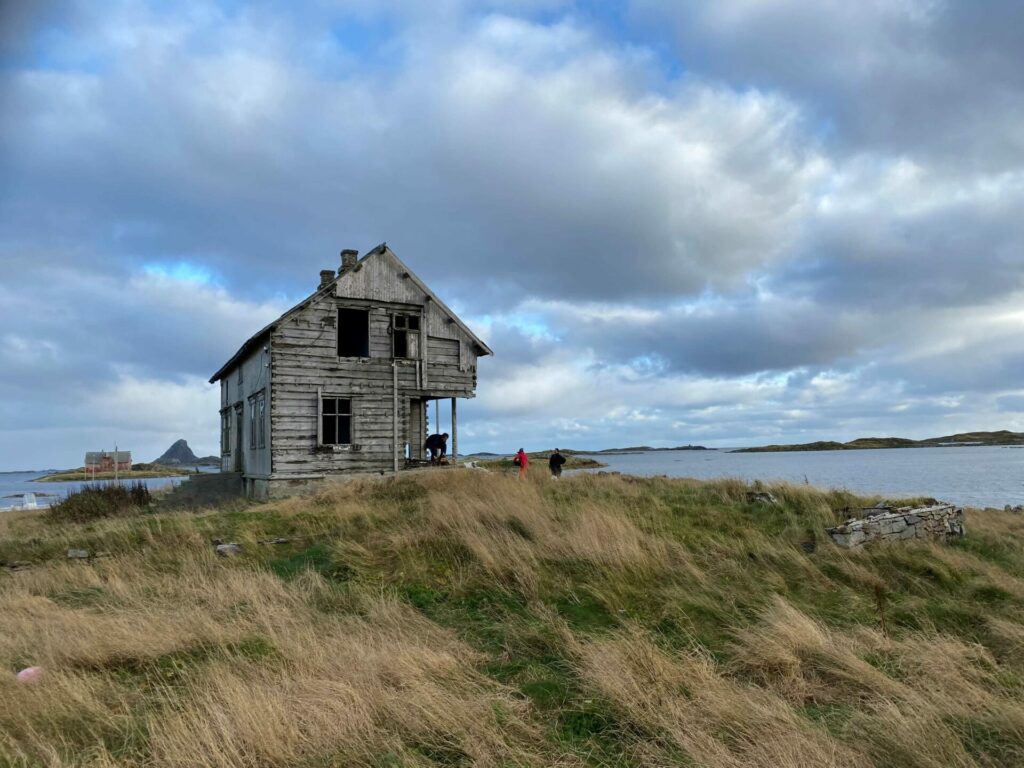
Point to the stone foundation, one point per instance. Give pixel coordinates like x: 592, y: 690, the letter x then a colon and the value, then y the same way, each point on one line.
x: 942, y: 522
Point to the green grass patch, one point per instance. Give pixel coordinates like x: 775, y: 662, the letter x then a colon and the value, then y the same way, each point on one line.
x: 318, y: 557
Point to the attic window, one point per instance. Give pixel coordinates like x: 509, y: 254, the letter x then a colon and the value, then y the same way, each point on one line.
x: 353, y: 332
x: 405, y: 336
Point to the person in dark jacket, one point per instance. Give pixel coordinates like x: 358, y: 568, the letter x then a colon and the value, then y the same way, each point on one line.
x: 438, y: 446
x: 555, y: 462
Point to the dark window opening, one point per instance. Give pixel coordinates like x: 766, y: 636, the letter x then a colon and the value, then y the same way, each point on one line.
x: 353, y: 332
x: 225, y: 431
x: 261, y: 404
x: 336, y: 421
x: 405, y: 336
x: 258, y: 420
x: 252, y: 423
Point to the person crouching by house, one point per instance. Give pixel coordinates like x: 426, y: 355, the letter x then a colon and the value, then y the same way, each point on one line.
x: 555, y: 462
x: 522, y: 461
x: 437, y: 445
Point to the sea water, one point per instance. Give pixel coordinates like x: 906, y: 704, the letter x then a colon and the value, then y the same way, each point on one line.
x: 14, y: 484
x: 979, y: 476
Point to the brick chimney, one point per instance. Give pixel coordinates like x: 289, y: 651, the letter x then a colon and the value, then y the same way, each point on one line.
x: 326, y: 276
x: 349, y: 258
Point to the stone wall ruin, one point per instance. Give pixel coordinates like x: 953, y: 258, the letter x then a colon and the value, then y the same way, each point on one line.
x: 941, y: 522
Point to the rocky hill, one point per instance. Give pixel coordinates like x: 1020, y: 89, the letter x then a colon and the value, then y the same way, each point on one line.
x: 180, y: 454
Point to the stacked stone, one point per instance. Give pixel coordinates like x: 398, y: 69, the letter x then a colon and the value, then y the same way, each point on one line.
x: 941, y: 522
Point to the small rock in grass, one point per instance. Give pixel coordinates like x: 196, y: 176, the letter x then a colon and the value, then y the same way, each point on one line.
x: 78, y: 554
x: 229, y: 550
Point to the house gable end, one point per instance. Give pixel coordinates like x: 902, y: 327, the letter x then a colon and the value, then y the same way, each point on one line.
x: 379, y: 277
x: 382, y: 276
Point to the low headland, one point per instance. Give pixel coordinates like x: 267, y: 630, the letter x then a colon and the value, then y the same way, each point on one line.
x: 1002, y: 437
x: 540, y: 458
x: 464, y: 618
x: 576, y: 459
x: 137, y: 472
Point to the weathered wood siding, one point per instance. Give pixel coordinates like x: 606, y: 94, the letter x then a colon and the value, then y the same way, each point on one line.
x: 305, y: 362
x: 256, y: 375
x: 444, y: 351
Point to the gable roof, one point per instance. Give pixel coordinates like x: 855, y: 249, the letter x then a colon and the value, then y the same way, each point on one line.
x: 433, y: 297
x: 382, y: 251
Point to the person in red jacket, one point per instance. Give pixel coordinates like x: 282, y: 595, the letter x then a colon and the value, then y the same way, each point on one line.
x: 522, y: 461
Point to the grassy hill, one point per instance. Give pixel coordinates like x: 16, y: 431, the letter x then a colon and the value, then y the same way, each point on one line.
x: 539, y: 462
x: 467, y: 619
x: 1002, y: 437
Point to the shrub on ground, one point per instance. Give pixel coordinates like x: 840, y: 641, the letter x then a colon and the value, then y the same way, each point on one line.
x: 93, y: 502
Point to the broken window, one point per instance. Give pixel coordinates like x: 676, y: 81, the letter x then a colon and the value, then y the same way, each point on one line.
x: 353, y: 332
x: 405, y: 336
x: 335, y: 421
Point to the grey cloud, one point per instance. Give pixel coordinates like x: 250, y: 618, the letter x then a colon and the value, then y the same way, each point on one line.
x: 732, y: 337
x: 920, y: 77
x: 1011, y: 403
x: 964, y: 251
x: 557, y: 175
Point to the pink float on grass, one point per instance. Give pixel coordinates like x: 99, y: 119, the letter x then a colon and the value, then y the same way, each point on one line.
x: 30, y: 675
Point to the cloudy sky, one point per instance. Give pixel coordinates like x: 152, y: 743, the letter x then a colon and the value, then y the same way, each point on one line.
x: 729, y: 222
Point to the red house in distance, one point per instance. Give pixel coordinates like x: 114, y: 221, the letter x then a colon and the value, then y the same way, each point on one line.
x: 105, y: 461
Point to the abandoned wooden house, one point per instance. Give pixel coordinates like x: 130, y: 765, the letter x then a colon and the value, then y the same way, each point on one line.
x: 342, y: 382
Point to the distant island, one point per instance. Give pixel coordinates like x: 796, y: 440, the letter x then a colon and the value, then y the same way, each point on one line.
x: 176, y: 461
x: 1002, y: 437
x: 648, y: 449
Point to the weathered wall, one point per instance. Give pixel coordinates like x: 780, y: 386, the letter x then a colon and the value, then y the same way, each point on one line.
x: 941, y: 522
x: 306, y: 361
x: 256, y: 373
x: 300, y: 354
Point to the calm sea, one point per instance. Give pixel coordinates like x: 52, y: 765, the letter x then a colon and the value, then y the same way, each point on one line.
x: 13, y: 484
x: 981, y: 476
x: 984, y: 476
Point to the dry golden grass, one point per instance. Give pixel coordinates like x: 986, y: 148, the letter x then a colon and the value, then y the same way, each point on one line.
x: 470, y: 619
